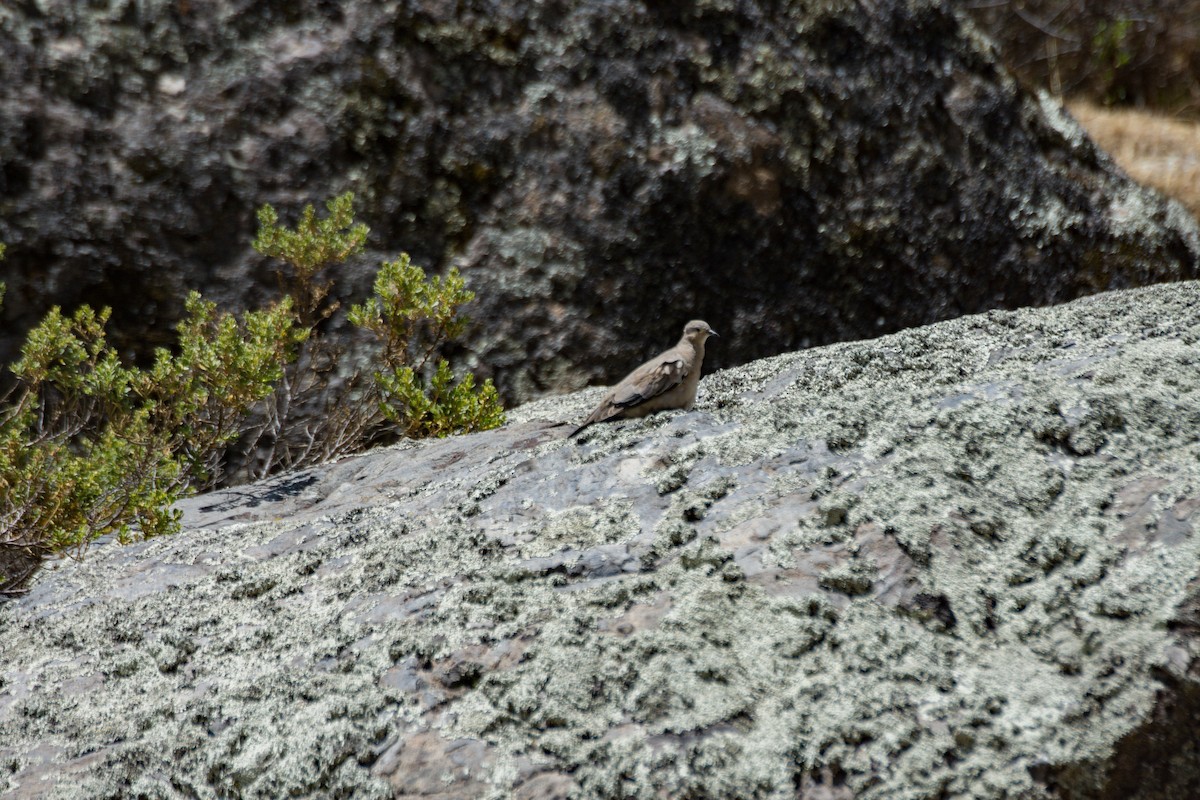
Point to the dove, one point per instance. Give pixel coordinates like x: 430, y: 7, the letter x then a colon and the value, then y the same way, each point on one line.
x: 666, y: 381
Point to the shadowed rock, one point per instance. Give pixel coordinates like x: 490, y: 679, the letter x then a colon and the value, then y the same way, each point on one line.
x: 960, y: 560
x: 795, y: 173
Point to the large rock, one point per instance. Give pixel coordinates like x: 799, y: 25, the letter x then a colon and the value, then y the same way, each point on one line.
x: 795, y: 173
x: 959, y: 561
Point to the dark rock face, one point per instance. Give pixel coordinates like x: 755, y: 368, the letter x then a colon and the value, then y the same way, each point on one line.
x: 797, y: 173
x: 957, y: 561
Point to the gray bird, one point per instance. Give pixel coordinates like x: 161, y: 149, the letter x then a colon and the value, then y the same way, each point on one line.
x: 665, y: 381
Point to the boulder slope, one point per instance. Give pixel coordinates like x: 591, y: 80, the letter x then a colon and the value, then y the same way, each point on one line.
x: 807, y: 172
x: 957, y: 561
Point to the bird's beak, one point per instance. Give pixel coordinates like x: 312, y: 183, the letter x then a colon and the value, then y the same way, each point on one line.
x: 711, y: 332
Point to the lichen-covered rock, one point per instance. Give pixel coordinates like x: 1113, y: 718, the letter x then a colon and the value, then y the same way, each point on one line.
x: 958, y: 561
x: 796, y: 173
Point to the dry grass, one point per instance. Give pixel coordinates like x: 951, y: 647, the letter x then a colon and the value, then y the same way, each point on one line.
x: 1155, y: 150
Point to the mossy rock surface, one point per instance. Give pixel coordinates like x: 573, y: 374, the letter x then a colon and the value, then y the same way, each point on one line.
x: 958, y: 561
x: 796, y: 173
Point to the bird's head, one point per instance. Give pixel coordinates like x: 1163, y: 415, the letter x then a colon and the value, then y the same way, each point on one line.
x: 697, y: 331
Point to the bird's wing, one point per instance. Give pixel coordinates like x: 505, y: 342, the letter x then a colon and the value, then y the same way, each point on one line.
x: 650, y: 380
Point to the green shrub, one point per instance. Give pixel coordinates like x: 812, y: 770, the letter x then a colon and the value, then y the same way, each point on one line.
x: 410, y: 317
x: 91, y: 446
x: 310, y: 249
